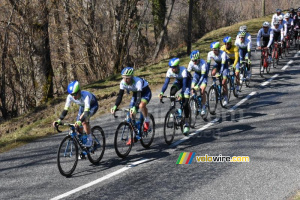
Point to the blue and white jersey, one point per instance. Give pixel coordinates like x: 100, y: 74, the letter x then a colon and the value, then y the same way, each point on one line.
x: 289, y: 22
x: 269, y: 34
x: 243, y: 45
x: 247, y: 36
x: 86, y: 100
x: 279, y: 30
x: 183, y: 73
x: 219, y: 59
x: 199, y: 68
x: 275, y: 17
x: 137, y: 84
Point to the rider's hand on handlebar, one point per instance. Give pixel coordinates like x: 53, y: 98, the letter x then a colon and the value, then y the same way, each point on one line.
x: 58, y: 122
x: 179, y: 97
x: 113, y: 109
x: 258, y: 48
x: 160, y: 95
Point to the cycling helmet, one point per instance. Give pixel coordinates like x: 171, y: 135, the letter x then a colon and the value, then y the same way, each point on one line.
x: 280, y: 17
x: 278, y: 10
x: 127, y: 71
x: 266, y: 24
x: 174, y: 62
x: 73, y: 87
x: 195, y: 55
x: 242, y: 34
x: 243, y: 28
x: 276, y: 22
x: 287, y: 15
x: 215, y: 45
x: 227, y: 39
x: 291, y: 9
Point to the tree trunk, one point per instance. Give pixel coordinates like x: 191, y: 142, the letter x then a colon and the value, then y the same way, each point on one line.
x: 189, y: 34
x: 159, y: 11
x: 162, y: 33
x: 263, y: 10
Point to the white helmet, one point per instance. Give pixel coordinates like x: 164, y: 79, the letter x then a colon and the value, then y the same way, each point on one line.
x: 266, y: 24
x: 287, y: 15
x: 243, y: 28
x: 280, y: 17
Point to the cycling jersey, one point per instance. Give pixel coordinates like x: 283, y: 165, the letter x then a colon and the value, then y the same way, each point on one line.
x: 278, y: 33
x: 289, y: 22
x: 201, y: 72
x: 267, y: 37
x: 243, y: 45
x: 220, y: 58
x: 275, y: 17
x: 86, y: 100
x: 247, y: 36
x: 233, y: 53
x: 137, y: 84
x: 183, y: 79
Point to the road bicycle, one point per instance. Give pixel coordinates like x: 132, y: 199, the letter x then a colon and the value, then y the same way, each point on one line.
x: 265, y: 65
x: 174, y: 119
x: 72, y: 147
x: 130, y: 131
x: 215, y: 94
x: 244, y: 70
x: 196, y: 107
x: 298, y: 39
x: 276, y: 52
x: 232, y: 83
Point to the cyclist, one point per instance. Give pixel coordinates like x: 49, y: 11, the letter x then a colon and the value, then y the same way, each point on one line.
x: 292, y: 13
x: 289, y: 24
x: 244, y: 45
x: 276, y: 15
x: 88, y: 107
x: 221, y: 66
x: 200, y: 76
x: 278, y: 32
x: 267, y: 35
x: 297, y: 23
x: 183, y: 80
x: 140, y: 98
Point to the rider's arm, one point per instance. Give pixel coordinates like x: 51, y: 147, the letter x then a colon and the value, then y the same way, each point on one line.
x: 119, y: 98
x: 138, y: 99
x: 204, y: 73
x: 165, y: 86
x: 66, y: 108
x: 224, y: 59
x: 271, y: 39
x: 236, y: 56
x: 258, y: 38
x: 87, y: 105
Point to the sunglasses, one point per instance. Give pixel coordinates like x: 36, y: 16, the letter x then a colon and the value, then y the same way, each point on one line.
x: 74, y: 94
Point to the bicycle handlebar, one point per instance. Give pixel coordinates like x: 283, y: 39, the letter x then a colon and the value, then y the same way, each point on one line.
x: 170, y: 97
x: 56, y: 125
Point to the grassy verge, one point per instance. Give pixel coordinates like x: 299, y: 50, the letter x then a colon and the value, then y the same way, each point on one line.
x: 37, y: 123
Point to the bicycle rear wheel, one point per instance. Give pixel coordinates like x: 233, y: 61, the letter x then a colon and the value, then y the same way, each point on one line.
x: 123, y: 136
x: 248, y: 79
x: 261, y: 67
x: 206, y: 108
x: 170, y: 126
x: 97, y: 150
x: 229, y: 87
x: 147, y: 137
x: 67, y: 156
x: 194, y: 111
x: 212, y: 100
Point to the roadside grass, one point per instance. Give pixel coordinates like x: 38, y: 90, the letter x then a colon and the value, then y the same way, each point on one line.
x: 37, y: 124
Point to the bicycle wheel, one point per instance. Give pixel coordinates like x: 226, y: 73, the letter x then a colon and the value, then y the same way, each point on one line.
x: 67, y: 156
x: 234, y: 85
x: 170, y: 126
x: 261, y: 67
x: 212, y: 100
x: 248, y: 79
x: 123, y: 135
x: 147, y: 137
x: 242, y: 76
x: 206, y: 108
x: 229, y: 87
x: 194, y: 110
x: 97, y: 150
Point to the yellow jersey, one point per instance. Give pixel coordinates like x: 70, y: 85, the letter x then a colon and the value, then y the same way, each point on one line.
x: 233, y: 53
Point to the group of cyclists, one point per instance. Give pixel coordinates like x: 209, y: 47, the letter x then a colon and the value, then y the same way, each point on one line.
x: 223, y: 56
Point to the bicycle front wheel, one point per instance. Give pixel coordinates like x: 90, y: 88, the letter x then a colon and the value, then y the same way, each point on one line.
x: 212, y: 100
x: 148, y: 136
x: 170, y: 126
x: 248, y: 78
x: 261, y: 67
x: 98, y: 147
x: 194, y: 111
x: 67, y: 156
x: 123, y: 139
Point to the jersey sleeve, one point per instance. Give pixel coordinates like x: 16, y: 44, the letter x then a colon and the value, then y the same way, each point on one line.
x: 87, y: 103
x: 190, y: 66
x: 236, y: 56
x: 68, y: 102
x: 258, y: 38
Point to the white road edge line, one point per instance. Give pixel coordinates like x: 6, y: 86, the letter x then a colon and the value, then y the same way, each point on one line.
x: 287, y: 65
x: 268, y: 81
x: 100, y: 179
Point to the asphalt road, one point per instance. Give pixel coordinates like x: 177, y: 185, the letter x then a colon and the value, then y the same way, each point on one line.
x: 263, y: 126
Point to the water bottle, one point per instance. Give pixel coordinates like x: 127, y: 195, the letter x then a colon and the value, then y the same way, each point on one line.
x: 179, y: 112
x: 84, y: 138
